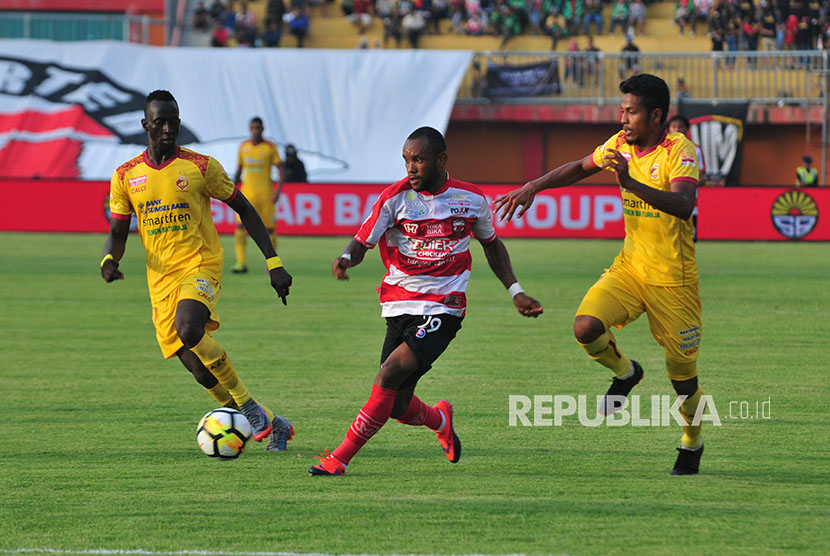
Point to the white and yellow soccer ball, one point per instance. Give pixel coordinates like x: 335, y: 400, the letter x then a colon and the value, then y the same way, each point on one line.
x: 223, y: 433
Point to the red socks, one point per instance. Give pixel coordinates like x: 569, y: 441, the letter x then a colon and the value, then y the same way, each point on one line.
x: 369, y: 420
x: 418, y: 413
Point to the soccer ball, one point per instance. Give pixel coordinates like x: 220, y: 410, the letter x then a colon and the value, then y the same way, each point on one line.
x: 223, y: 433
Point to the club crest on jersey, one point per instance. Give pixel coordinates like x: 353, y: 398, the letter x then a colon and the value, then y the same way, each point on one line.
x: 458, y: 225
x: 654, y: 173
x: 181, y: 183
x: 410, y: 227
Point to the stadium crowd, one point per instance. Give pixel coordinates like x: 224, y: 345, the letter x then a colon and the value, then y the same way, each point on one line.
x: 730, y: 24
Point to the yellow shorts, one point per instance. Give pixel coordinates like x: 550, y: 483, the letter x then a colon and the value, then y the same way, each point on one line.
x: 265, y: 209
x: 201, y: 287
x: 620, y: 297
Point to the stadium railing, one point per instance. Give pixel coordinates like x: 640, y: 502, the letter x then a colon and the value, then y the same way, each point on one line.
x: 77, y: 27
x: 783, y: 77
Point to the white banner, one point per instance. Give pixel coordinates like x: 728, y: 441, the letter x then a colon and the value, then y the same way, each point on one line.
x: 73, y: 110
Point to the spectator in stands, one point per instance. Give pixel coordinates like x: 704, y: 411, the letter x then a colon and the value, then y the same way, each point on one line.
x: 619, y: 16
x: 219, y: 37
x: 732, y: 31
x: 274, y: 12
x: 201, y: 21
x: 476, y: 24
x: 440, y: 10
x: 392, y: 27
x: 630, y: 64
x: 682, y: 90
x: 555, y: 26
x: 770, y: 22
x: 294, y: 167
x: 572, y: 11
x: 637, y: 16
x: 683, y: 13
x: 216, y: 9
x: 361, y: 16
x: 414, y: 24
x: 384, y: 8
x: 593, y: 14
x: 806, y: 175
x: 804, y: 35
x: 298, y: 24
x: 574, y: 64
x: 717, y: 25
x: 229, y: 17
x: 246, y: 29
x: 701, y: 9
x: 458, y: 16
x: 272, y: 36
x: 505, y: 22
x: 592, y: 60
x: 751, y: 31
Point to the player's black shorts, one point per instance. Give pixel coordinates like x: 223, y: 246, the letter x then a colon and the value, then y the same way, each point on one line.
x: 426, y: 335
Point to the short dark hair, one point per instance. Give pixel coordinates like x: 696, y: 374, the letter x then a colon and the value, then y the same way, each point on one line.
x: 158, y: 94
x: 680, y: 118
x: 435, y: 141
x: 256, y: 120
x: 652, y: 91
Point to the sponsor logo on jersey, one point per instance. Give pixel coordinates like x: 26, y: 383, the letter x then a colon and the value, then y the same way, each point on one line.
x: 459, y: 210
x: 433, y: 248
x: 203, y: 285
x: 686, y: 158
x: 181, y: 183
x: 410, y: 227
x: 794, y: 214
x: 434, y: 229
x: 139, y: 180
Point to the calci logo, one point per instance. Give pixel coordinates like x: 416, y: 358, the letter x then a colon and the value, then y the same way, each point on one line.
x: 720, y: 139
x: 794, y: 214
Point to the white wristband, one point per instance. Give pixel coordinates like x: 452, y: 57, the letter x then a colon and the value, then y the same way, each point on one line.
x: 346, y: 256
x: 514, y: 289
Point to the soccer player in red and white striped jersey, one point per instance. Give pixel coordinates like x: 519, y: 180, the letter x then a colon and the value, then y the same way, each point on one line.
x: 422, y: 225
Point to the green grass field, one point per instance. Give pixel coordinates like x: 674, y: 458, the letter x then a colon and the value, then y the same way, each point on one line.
x: 99, y: 454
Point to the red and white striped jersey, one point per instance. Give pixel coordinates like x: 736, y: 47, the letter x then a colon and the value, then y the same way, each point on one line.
x: 424, y: 241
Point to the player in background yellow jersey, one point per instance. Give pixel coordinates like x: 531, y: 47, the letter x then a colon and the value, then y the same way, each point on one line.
x: 169, y: 189
x: 656, y: 272
x: 256, y: 156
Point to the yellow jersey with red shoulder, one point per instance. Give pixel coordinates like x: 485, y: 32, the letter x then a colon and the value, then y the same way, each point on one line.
x: 659, y: 247
x: 256, y: 161
x: 172, y: 204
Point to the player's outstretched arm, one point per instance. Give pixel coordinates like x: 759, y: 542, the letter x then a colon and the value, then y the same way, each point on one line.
x: 567, y: 174
x: 114, y: 248
x: 352, y: 256
x: 280, y: 279
x: 499, y: 261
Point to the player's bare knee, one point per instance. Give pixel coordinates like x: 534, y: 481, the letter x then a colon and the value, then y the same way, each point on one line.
x: 190, y: 333
x: 587, y: 329
x: 685, y: 387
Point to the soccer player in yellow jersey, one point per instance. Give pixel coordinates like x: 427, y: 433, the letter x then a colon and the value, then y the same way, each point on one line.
x: 169, y: 188
x: 655, y: 273
x: 256, y: 156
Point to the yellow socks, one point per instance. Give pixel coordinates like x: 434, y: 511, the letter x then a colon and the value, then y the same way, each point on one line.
x: 221, y: 395
x: 604, y: 351
x: 691, y: 434
x: 239, y: 239
x: 216, y: 360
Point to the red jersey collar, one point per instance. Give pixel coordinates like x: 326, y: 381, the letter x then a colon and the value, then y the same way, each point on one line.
x: 651, y: 149
x: 440, y: 189
x: 155, y: 166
